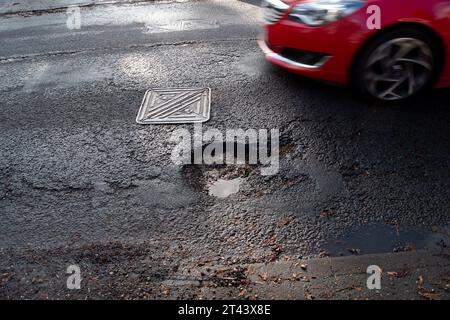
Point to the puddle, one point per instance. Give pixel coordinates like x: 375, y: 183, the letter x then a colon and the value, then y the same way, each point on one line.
x: 225, y: 188
x: 381, y: 238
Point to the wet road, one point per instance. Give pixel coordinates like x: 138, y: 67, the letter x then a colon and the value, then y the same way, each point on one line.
x: 76, y: 170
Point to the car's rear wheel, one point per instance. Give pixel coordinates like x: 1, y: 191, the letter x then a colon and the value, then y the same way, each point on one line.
x: 396, y: 66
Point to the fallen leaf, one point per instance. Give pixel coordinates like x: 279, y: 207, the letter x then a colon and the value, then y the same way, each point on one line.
x: 165, y: 292
x: 276, y: 252
x: 278, y: 249
x: 354, y: 251
x: 308, y: 296
x: 396, y: 274
x: 420, y: 282
x: 324, y: 254
x: 242, y: 293
x: 429, y: 295
x: 285, y: 221
x: 264, y: 276
x: 297, y: 276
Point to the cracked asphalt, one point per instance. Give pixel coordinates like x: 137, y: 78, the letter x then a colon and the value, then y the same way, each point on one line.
x: 81, y: 182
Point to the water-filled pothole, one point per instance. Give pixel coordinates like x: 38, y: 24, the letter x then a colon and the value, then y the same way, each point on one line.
x: 217, y: 180
x: 381, y: 238
x: 224, y: 179
x: 225, y: 188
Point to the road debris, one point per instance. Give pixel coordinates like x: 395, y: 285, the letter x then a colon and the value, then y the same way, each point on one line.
x: 354, y: 250
x: 396, y: 274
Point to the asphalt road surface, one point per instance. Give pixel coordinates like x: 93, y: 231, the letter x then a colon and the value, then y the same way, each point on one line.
x: 81, y: 182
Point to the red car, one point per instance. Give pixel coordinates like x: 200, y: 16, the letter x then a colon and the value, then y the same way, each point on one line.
x: 387, y: 49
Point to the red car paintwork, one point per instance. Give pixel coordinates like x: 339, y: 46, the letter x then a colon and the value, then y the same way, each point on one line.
x: 344, y: 38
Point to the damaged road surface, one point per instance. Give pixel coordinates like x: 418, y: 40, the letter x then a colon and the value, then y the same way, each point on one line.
x: 81, y: 183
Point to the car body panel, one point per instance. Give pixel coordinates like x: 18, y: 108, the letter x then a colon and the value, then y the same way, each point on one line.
x: 345, y: 38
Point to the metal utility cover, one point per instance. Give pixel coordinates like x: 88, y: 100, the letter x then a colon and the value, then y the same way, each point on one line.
x: 178, y: 105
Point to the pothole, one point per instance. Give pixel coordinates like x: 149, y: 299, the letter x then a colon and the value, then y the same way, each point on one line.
x: 224, y: 180
x: 220, y: 180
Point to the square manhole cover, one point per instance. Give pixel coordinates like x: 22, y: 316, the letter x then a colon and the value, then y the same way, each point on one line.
x: 178, y: 105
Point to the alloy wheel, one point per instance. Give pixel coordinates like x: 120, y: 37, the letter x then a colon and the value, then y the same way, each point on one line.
x: 398, y: 69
